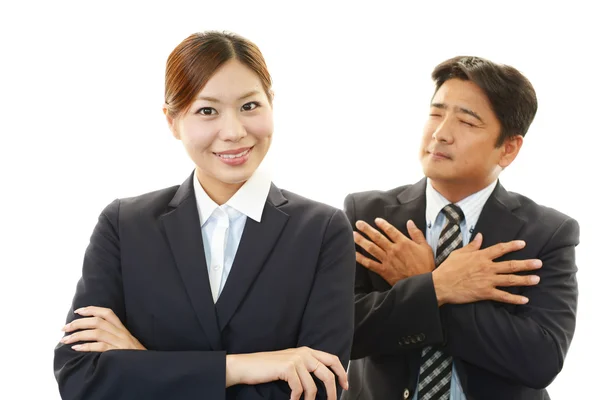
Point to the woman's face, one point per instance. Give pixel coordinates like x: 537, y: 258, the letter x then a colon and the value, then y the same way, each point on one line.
x: 228, y: 128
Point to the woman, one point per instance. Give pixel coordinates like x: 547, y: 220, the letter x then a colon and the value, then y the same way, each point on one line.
x: 225, y: 286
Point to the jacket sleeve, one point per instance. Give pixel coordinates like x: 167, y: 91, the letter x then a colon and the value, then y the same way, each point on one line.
x: 528, y: 345
x: 127, y: 374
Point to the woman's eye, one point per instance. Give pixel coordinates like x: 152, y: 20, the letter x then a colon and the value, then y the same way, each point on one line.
x: 206, y: 111
x: 250, y: 106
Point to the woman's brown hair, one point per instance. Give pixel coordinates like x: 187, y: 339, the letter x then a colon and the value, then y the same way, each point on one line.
x: 194, y: 61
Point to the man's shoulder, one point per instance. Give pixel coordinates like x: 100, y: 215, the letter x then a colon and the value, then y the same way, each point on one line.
x: 529, y: 209
x: 372, y: 203
x: 369, y: 196
x: 544, y: 224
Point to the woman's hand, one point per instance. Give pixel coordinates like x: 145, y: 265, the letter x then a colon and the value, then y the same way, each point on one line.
x: 102, y: 329
x: 293, y: 366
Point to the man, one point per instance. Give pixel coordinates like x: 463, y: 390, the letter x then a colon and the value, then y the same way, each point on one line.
x: 439, y: 320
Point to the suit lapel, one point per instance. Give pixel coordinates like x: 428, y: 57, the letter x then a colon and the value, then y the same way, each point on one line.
x: 184, y: 234
x: 411, y: 206
x: 258, y: 241
x: 497, y: 222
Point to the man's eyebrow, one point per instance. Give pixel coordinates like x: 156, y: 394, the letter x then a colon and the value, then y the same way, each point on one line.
x: 463, y: 110
x: 470, y: 112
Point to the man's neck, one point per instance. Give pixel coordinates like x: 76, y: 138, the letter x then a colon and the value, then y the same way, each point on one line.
x: 457, y: 191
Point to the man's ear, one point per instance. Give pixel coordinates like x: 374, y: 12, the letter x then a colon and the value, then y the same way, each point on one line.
x: 510, y: 150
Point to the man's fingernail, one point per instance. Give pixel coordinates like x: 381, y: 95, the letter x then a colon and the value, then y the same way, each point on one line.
x: 378, y: 220
x: 359, y: 224
x: 76, y: 347
x: 534, y: 279
x: 537, y: 263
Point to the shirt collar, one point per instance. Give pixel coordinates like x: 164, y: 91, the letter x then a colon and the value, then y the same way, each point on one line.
x: 471, y: 205
x: 249, y: 200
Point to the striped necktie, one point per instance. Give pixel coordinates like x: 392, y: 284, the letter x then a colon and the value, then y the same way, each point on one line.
x: 436, y: 367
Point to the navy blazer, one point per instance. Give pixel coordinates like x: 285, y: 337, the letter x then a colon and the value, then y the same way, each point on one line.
x: 291, y: 285
x: 501, y: 351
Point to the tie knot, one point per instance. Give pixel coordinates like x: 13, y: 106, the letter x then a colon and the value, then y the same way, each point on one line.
x: 453, y: 213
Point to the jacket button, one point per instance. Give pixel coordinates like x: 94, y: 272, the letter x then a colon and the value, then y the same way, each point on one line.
x: 406, y: 394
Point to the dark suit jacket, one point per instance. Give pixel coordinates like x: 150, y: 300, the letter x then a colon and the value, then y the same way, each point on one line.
x: 504, y: 352
x: 291, y: 285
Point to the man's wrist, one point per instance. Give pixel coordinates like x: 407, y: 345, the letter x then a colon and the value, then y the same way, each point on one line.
x: 438, y: 287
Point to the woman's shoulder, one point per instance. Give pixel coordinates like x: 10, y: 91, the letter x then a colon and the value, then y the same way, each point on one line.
x: 298, y: 201
x: 151, y: 203
x: 160, y: 197
x: 307, y: 208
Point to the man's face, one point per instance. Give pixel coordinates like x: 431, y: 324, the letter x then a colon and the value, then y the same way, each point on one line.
x: 460, y: 137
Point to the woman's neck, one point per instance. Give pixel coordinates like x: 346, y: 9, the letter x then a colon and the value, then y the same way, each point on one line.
x: 220, y: 192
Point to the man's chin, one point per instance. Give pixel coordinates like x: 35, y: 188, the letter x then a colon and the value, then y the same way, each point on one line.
x: 437, y: 173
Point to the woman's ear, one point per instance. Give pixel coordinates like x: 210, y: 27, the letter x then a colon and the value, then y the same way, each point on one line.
x: 171, y: 122
x: 271, y: 96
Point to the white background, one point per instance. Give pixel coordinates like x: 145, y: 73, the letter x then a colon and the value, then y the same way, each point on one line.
x: 81, y: 86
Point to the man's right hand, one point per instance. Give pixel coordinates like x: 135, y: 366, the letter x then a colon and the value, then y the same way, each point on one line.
x: 293, y: 366
x: 470, y: 274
